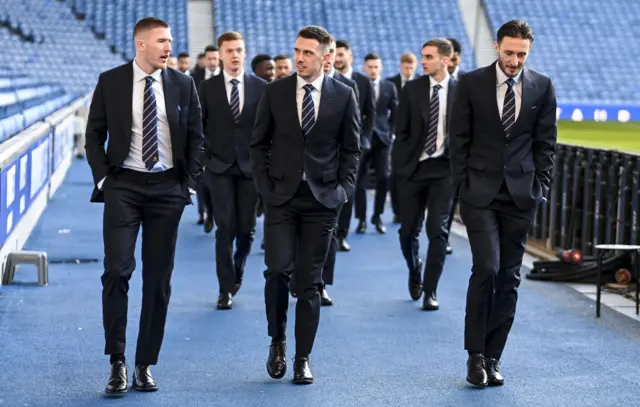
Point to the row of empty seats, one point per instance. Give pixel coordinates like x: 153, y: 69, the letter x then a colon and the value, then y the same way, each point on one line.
x: 388, y: 28
x: 114, y: 20
x: 25, y: 101
x: 589, y: 48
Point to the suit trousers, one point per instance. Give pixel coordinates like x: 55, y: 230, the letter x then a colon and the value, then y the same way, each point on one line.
x: 297, y: 237
x: 235, y: 200
x: 154, y: 201
x: 429, y: 188
x: 497, y: 235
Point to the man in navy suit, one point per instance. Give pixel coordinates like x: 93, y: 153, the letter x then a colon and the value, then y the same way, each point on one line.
x: 503, y: 139
x: 385, y: 101
x: 304, y: 153
x: 421, y: 163
x: 229, y: 102
x: 336, y: 242
x: 455, y: 72
x: 151, y: 117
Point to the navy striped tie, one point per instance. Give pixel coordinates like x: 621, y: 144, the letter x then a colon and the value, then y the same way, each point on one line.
x: 431, y: 144
x: 308, y: 110
x: 234, y: 103
x: 509, y: 107
x: 149, y: 126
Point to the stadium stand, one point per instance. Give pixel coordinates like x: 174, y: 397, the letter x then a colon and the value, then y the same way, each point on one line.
x: 55, y: 57
x: 591, y: 65
x: 113, y: 20
x: 274, y: 28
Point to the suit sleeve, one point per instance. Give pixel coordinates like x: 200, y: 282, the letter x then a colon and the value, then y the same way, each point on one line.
x: 96, y: 134
x: 460, y: 133
x: 349, y: 146
x: 392, y: 108
x: 205, y: 112
x: 544, y: 139
x: 195, y: 138
x: 403, y: 116
x: 261, y: 144
x: 369, y: 115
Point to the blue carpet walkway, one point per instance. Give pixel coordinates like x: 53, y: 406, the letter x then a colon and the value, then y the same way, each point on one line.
x: 374, y: 347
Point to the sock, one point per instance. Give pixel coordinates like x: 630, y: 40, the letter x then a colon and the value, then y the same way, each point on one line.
x: 117, y: 357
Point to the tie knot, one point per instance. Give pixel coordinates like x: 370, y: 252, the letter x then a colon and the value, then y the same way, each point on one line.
x: 308, y: 88
x: 149, y: 80
x: 437, y: 88
x: 510, y: 82
x: 234, y: 82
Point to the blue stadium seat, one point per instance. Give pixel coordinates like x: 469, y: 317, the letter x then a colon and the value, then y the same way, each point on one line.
x: 594, y: 65
x: 388, y: 28
x: 114, y: 20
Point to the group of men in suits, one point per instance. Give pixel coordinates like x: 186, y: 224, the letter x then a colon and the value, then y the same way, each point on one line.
x: 300, y: 145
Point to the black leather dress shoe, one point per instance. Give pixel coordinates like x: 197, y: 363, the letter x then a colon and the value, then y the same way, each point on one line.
x: 325, y: 300
x: 277, y: 361
x: 362, y: 227
x: 476, y: 373
x: 224, y: 301
x: 377, y: 222
x: 449, y: 249
x: 208, y: 224
x: 492, y: 366
x: 343, y: 246
x: 429, y: 302
x: 302, y: 371
x: 142, y: 379
x: 415, y: 282
x: 117, y: 383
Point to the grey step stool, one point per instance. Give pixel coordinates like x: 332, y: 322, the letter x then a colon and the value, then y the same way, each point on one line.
x: 39, y: 259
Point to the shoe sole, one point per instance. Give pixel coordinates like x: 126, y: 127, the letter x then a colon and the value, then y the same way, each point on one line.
x: 273, y: 376
x: 145, y: 389
x: 303, y: 381
x: 115, y: 393
x: 479, y: 385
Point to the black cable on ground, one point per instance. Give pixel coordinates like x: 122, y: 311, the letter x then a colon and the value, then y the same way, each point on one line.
x: 585, y: 271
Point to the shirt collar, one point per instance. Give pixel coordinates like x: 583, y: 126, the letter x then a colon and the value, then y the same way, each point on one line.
x: 227, y: 77
x: 317, y: 84
x: 443, y: 84
x: 502, y: 77
x: 139, y: 74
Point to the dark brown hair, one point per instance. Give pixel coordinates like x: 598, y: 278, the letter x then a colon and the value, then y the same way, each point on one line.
x: 444, y: 46
x: 315, y: 32
x: 148, y: 23
x: 515, y: 29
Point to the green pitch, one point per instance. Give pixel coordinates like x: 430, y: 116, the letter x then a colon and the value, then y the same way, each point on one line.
x: 610, y: 135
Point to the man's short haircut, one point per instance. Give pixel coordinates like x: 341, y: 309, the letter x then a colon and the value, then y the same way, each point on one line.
x: 445, y: 48
x: 315, y: 32
x: 258, y: 59
x: 148, y: 23
x: 229, y: 36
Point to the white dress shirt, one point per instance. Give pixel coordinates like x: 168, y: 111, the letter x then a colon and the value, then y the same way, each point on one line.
x: 228, y: 86
x: 208, y: 73
x: 442, y: 115
x: 315, y: 96
x: 502, y: 90
x: 348, y: 73
x: 165, y: 155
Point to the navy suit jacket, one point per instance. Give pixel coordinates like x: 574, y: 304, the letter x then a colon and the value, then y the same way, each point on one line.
x: 482, y: 157
x: 328, y: 156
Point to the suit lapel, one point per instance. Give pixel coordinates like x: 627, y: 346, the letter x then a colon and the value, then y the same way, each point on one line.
x: 529, y: 88
x: 127, y: 102
x: 249, y: 95
x: 171, y: 102
x: 491, y: 84
x: 325, y: 103
x: 291, y: 102
x: 221, y: 92
x: 451, y: 91
x: 425, y: 101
